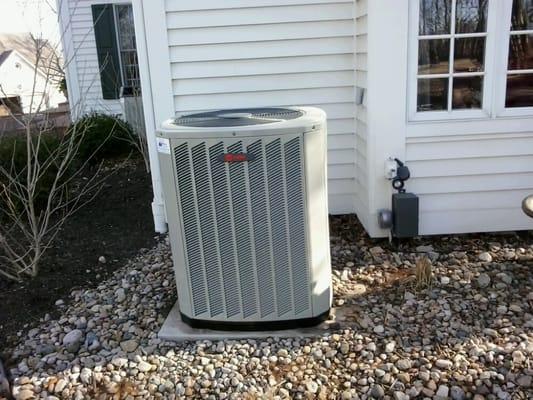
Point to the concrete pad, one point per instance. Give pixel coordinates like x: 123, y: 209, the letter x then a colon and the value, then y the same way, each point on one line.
x: 175, y: 330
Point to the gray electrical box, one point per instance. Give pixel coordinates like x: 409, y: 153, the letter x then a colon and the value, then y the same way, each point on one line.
x: 405, y: 215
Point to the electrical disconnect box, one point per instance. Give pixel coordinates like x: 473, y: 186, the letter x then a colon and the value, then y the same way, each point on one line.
x: 405, y: 215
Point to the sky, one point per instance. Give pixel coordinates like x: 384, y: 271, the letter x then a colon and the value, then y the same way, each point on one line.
x: 35, y: 16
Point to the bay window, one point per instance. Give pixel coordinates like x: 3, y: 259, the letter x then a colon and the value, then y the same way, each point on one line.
x: 470, y: 58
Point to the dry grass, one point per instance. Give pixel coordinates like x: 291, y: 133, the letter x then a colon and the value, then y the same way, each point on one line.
x: 423, y: 273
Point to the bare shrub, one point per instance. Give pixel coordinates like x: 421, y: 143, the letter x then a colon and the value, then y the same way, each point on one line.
x: 43, y: 181
x: 39, y: 195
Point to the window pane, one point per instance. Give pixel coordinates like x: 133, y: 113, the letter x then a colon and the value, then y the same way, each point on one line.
x: 467, y: 92
x: 522, y: 16
x: 519, y: 91
x: 435, y: 16
x: 433, y: 56
x: 521, y: 52
x: 471, y: 16
x: 432, y: 94
x: 469, y: 54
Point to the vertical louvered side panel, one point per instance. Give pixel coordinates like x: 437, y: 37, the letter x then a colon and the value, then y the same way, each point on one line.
x: 295, y: 198
x: 262, y: 236
x: 225, y: 232
x: 239, y: 196
x: 276, y: 194
x: 244, y: 228
x: 190, y: 228
x: 209, y: 239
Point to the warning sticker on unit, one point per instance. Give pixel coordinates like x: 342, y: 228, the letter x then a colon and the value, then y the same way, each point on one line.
x: 163, y: 145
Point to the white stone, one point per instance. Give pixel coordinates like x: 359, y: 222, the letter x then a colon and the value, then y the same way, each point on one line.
x: 485, y: 257
x: 312, y: 386
x: 143, y: 366
x: 61, y: 384
x: 444, y: 364
x: 389, y: 347
x: 379, y: 329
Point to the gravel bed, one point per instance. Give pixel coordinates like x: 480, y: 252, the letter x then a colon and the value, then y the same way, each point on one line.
x: 469, y: 335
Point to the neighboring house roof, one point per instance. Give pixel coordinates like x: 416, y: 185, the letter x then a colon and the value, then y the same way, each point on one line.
x: 4, y: 55
x: 27, y: 46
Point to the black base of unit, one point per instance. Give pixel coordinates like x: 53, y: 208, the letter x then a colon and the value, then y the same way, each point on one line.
x: 255, y: 326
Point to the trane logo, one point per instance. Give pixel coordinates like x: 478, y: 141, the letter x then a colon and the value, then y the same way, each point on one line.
x: 236, y: 157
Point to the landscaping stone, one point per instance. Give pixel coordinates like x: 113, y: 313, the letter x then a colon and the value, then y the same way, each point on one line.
x: 377, y: 392
x: 120, y: 295
x: 444, y: 364
x: 403, y: 364
x: 129, y: 346
x: 144, y: 366
x: 483, y: 280
x: 379, y: 329
x: 485, y: 257
x: 73, y: 340
x: 457, y: 393
x: 469, y: 336
x: 442, y: 392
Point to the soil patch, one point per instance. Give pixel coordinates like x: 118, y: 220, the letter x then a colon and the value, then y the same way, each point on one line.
x: 116, y: 224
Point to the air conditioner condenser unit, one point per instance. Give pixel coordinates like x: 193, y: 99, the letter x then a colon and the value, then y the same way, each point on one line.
x: 246, y: 203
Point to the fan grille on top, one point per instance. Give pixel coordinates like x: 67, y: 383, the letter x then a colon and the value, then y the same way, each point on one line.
x: 238, y: 117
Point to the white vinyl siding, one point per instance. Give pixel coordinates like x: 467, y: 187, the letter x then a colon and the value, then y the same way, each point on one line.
x: 271, y: 53
x: 471, y: 183
x: 86, y: 59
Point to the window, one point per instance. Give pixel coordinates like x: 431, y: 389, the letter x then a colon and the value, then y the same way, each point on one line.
x: 116, y: 48
x: 465, y: 61
x: 127, y: 46
x: 519, y: 84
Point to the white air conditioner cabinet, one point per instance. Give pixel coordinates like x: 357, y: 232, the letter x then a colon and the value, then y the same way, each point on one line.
x: 246, y: 203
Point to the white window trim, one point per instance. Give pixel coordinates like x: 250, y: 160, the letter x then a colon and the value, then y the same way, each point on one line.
x: 495, y: 82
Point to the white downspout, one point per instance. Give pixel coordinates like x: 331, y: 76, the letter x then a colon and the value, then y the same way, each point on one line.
x: 158, y: 206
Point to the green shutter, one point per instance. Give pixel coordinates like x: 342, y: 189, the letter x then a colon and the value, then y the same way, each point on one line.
x: 106, y: 47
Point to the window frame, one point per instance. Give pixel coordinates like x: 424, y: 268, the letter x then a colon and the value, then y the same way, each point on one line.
x: 495, y: 75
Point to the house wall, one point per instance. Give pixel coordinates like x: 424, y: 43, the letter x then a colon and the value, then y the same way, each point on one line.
x: 82, y: 60
x: 471, y: 178
x: 471, y: 175
x: 361, y: 129
x: 20, y: 82
x: 240, y: 53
